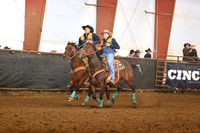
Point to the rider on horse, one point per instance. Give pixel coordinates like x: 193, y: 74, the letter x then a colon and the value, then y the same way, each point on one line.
x: 108, y: 45
x: 88, y: 37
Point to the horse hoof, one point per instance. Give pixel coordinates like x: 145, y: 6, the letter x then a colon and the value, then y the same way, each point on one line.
x: 113, y: 100
x: 70, y: 99
x: 100, y: 106
x: 83, y: 104
x: 134, y: 103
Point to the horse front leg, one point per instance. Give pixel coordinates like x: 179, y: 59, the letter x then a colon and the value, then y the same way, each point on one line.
x: 102, y: 89
x: 94, y: 94
x: 88, y: 96
x: 107, y: 94
x: 72, y: 90
x: 116, y: 92
x: 73, y: 94
x: 78, y: 85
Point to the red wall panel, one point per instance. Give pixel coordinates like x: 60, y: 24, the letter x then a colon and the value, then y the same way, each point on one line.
x: 34, y: 14
x: 106, y: 10
x: 164, y: 10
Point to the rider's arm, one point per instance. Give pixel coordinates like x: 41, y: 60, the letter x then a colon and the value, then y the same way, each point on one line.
x: 96, y: 39
x: 80, y: 42
x: 115, y: 44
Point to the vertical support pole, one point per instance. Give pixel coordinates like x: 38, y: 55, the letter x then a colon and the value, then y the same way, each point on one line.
x: 105, y: 15
x: 163, y: 25
x: 34, y: 15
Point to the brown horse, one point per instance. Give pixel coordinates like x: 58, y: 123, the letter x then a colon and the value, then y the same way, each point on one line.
x: 79, y: 72
x: 99, y: 74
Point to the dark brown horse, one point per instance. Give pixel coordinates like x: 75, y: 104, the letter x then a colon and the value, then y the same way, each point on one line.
x: 79, y: 72
x: 99, y: 75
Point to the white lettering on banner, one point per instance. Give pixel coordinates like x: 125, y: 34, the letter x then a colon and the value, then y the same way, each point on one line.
x: 170, y: 74
x: 195, y: 75
x: 183, y: 75
x: 186, y: 74
x: 179, y: 74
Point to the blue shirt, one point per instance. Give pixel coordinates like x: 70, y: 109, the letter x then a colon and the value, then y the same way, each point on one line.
x: 147, y: 56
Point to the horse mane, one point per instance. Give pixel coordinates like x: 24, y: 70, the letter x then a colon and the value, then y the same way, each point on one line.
x: 72, y: 44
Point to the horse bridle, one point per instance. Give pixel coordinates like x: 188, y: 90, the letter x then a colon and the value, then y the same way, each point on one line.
x: 71, y: 52
x: 88, y: 52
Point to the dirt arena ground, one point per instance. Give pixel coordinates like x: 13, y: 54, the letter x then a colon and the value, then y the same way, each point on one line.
x: 48, y: 112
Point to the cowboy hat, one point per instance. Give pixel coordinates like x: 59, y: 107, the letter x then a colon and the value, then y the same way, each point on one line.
x: 106, y: 31
x: 193, y: 44
x: 187, y: 44
x: 90, y: 27
x: 148, y: 50
x: 132, y: 51
x: 138, y: 51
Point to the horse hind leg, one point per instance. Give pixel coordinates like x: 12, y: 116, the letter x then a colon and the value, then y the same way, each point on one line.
x: 133, y: 91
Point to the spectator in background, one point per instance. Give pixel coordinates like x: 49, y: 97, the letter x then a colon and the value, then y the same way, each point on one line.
x: 148, y: 54
x: 131, y: 53
x: 186, y: 52
x: 193, y: 52
x: 6, y: 47
x: 137, y: 53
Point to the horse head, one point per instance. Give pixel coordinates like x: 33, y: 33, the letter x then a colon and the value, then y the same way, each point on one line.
x: 86, y: 51
x: 70, y: 51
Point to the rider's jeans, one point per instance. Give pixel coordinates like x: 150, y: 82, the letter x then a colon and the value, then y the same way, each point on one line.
x: 110, y: 57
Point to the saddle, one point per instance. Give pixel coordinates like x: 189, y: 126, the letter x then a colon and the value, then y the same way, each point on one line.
x: 118, y: 65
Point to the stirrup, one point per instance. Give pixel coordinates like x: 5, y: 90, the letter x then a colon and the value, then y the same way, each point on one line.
x: 112, y: 81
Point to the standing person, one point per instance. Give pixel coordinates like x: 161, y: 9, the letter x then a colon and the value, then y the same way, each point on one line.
x: 187, y: 51
x: 148, y: 54
x: 108, y: 44
x: 131, y: 53
x: 137, y: 53
x: 88, y: 37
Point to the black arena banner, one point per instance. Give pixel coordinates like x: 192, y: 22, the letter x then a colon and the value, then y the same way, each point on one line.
x: 183, y: 75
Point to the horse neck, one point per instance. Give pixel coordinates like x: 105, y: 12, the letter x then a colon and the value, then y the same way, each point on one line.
x: 94, y: 63
x: 76, y: 62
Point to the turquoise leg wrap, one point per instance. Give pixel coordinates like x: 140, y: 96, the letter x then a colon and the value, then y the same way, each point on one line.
x: 133, y: 97
x: 108, y: 102
x: 101, y: 104
x: 86, y: 99
x: 97, y: 100
x: 73, y: 95
x: 115, y: 94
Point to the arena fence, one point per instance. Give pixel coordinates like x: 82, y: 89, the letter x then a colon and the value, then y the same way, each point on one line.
x: 185, y: 79
x: 41, y: 70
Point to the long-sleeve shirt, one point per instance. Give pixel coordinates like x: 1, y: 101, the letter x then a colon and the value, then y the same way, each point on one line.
x: 193, y: 53
x: 185, y: 52
x: 96, y: 39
